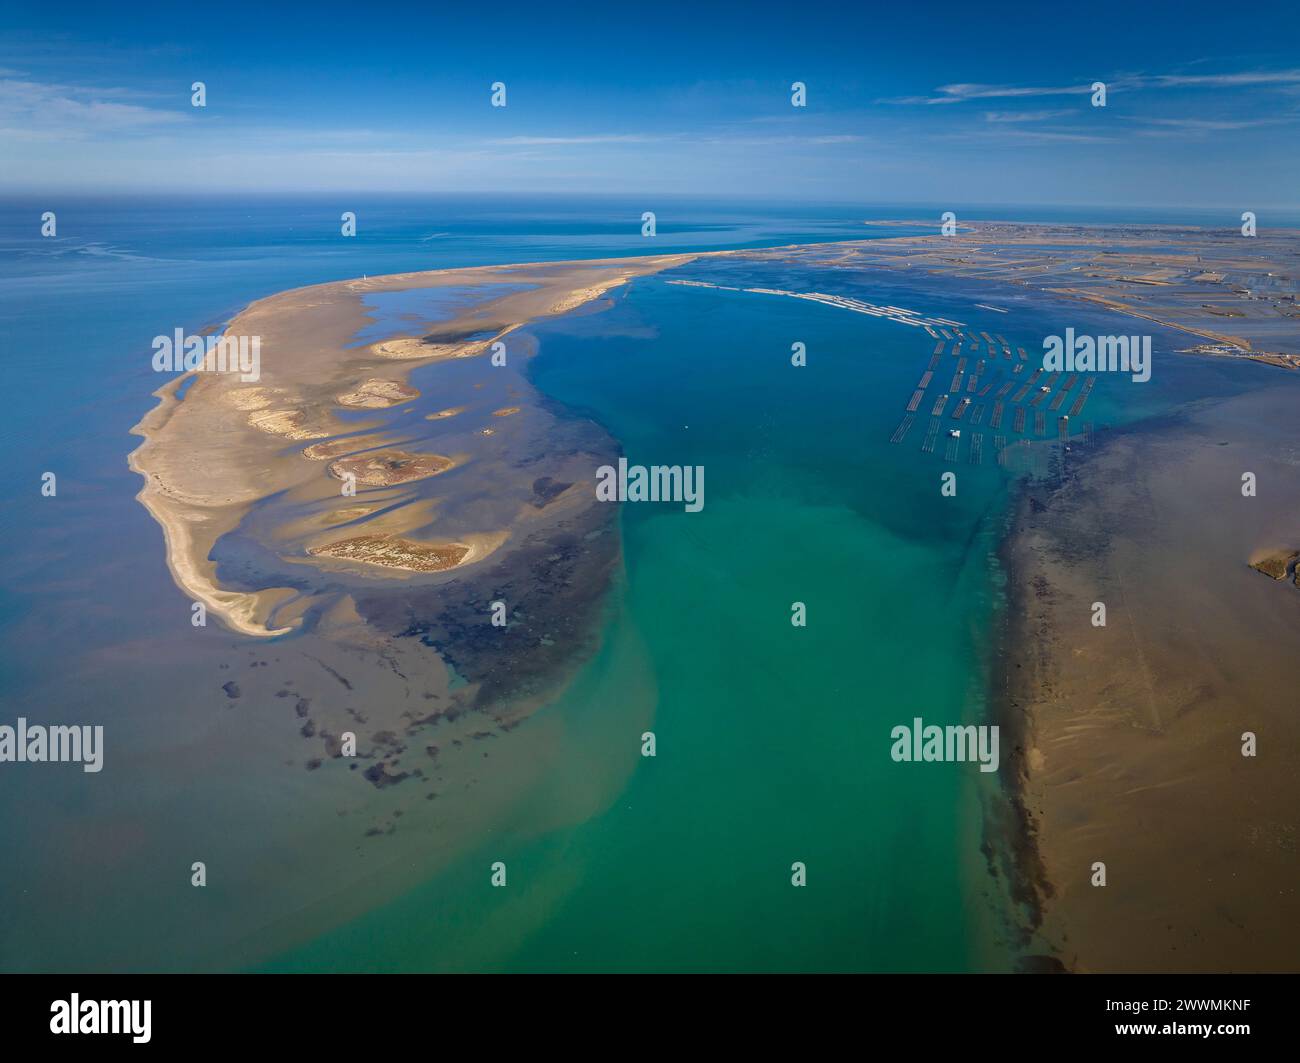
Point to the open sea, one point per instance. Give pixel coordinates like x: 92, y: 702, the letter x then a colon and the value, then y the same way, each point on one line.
x: 772, y: 740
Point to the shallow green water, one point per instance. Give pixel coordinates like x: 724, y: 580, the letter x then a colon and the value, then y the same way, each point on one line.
x: 772, y: 741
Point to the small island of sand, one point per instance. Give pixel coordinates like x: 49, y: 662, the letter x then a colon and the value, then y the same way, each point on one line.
x: 384, y: 468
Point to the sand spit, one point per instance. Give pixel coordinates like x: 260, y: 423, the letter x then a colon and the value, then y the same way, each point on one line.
x: 199, y: 490
x: 193, y: 518
x: 574, y: 299
x: 1131, y: 734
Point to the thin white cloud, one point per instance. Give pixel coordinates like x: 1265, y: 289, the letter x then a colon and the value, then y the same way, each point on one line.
x: 1243, y: 78
x: 1045, y: 136
x: 39, y: 110
x: 960, y: 93
x: 1023, y: 116
x: 1174, y: 127
x: 966, y: 91
x: 609, y: 138
x: 681, y: 138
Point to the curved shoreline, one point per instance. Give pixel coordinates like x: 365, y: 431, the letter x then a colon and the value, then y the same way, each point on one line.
x: 198, y: 495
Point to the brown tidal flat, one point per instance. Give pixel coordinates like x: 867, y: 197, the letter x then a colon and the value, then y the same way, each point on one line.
x: 1129, y: 747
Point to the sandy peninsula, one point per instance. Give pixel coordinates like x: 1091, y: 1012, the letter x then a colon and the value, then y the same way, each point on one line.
x: 226, y: 448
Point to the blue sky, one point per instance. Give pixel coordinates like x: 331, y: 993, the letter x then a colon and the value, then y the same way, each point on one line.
x: 933, y: 103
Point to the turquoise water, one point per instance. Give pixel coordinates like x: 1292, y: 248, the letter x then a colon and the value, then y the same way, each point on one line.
x: 773, y: 741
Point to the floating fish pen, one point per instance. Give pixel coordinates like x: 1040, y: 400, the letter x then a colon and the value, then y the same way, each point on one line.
x: 1039, y: 396
x: 1064, y: 393
x: 961, y: 366
x: 1002, y: 340
x: 972, y: 382
x: 996, y: 420
x: 917, y: 396
x: 1004, y: 389
x: 977, y: 414
x: 954, y: 444
x: 1040, y: 423
x: 926, y: 377
x: 934, y: 362
x: 961, y: 409
x: 939, y: 404
x: 1082, y: 397
x: 977, y: 448
x: 1019, y: 396
x: 999, y: 448
x: 1019, y: 425
x: 1023, y: 356
x: 931, y: 436
x: 955, y: 386
x: 938, y: 347
x: 1063, y: 429
x: 987, y: 387
x: 902, y: 428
